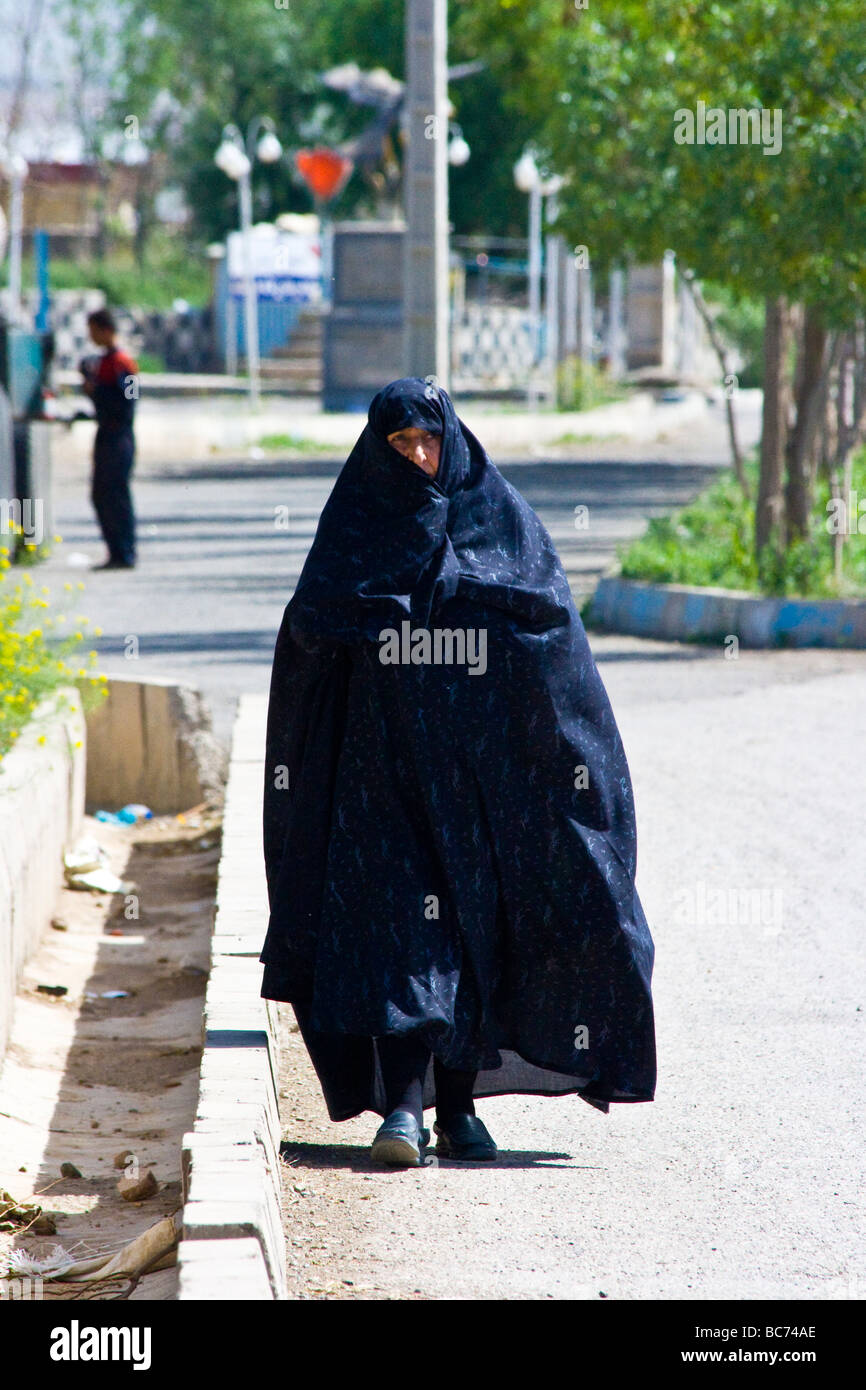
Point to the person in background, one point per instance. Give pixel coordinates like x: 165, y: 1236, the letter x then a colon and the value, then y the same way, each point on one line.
x: 111, y: 382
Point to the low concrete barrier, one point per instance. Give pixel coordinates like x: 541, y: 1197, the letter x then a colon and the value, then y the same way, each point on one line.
x: 233, y: 1243
x: 152, y: 741
x: 683, y: 613
x: 41, y: 809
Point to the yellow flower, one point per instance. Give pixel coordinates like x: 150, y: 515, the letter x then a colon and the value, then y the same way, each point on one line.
x: 41, y: 738
x: 97, y: 632
x: 57, y: 538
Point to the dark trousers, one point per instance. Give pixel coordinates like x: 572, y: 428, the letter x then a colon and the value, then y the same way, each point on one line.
x: 404, y: 1061
x: 113, y: 461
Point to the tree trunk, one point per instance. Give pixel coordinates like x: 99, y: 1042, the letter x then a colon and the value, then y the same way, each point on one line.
x: 769, y: 508
x: 811, y: 393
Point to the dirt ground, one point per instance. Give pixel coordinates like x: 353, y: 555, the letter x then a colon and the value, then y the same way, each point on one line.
x: 354, y: 1229
x: 326, y: 1174
x: 87, y: 1076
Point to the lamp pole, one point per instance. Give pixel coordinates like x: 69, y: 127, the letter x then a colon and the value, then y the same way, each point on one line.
x: 251, y: 307
x: 528, y: 178
x: 425, y: 183
x: 535, y: 267
x: 235, y: 157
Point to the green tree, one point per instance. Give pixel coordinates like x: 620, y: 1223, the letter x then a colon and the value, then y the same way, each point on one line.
x: 604, y: 87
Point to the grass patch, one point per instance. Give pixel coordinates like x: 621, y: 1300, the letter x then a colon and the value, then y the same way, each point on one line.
x: 170, y: 272
x: 584, y: 438
x: 150, y: 362
x: 582, y: 386
x: 710, y: 543
x: 295, y: 443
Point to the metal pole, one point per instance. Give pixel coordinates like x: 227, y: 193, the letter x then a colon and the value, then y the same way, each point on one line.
x: 569, y: 312
x: 231, y: 335
x: 616, y: 323
x: 425, y: 305
x: 585, y: 312
x: 535, y: 270
x: 326, y: 243
x: 534, y: 292
x: 552, y: 315
x: 251, y: 321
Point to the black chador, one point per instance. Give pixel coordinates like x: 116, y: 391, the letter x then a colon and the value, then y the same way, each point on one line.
x: 450, y: 850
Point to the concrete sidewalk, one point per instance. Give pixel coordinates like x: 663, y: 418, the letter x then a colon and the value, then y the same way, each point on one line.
x: 232, y: 1245
x: 199, y: 428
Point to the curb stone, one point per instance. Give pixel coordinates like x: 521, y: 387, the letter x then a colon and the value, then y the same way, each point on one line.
x: 232, y: 1244
x: 683, y: 613
x: 232, y: 1269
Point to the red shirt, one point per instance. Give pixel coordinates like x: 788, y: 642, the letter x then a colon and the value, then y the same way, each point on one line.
x: 114, y: 394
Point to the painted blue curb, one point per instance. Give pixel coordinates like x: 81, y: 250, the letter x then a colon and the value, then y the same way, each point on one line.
x: 685, y: 613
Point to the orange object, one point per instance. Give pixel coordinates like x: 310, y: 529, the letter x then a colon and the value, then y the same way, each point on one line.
x: 324, y: 171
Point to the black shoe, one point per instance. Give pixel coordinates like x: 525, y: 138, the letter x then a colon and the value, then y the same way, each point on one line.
x: 400, y: 1140
x: 115, y: 565
x: 464, y: 1136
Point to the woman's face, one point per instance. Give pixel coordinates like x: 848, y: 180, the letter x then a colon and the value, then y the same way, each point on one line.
x: 421, y: 446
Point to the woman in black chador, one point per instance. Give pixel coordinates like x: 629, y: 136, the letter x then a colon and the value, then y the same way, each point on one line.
x: 449, y: 830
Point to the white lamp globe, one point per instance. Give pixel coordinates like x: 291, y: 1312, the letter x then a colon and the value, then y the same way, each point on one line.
x: 552, y: 185
x: 17, y: 167
x: 232, y: 160
x: 458, y: 151
x: 526, y: 173
x: 269, y: 148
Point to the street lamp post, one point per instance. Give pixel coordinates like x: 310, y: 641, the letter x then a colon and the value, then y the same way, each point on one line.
x: 528, y: 179
x: 235, y: 157
x: 425, y: 191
